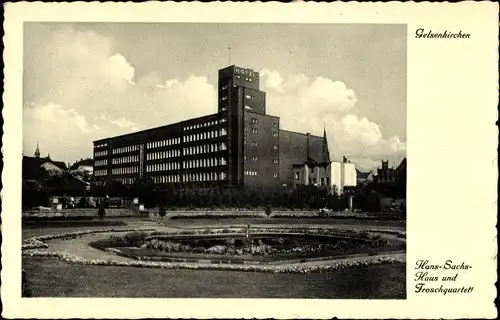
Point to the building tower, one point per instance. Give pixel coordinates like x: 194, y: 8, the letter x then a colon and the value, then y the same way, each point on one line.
x: 250, y: 131
x: 326, y: 151
x: 37, y: 151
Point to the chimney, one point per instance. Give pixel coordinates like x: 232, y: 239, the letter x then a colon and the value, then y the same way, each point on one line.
x: 308, y: 147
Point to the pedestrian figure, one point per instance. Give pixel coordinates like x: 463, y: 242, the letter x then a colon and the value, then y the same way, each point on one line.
x: 101, y: 210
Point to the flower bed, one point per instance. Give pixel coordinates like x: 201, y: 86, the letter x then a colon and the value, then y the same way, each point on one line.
x: 38, y: 242
x: 72, y: 259
x: 215, y: 214
x: 283, y: 228
x: 276, y: 246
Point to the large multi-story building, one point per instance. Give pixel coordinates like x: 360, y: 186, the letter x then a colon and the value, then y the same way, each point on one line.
x: 239, y: 145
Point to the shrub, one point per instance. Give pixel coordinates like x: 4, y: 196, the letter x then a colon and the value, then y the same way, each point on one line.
x: 101, y: 211
x: 135, y: 239
x: 117, y: 241
x: 217, y: 249
x: 268, y: 210
x: 364, y: 235
x: 162, y: 211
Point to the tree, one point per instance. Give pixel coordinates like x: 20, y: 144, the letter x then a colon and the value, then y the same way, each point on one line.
x: 162, y: 212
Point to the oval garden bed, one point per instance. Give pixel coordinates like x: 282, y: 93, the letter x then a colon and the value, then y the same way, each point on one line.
x: 264, y: 247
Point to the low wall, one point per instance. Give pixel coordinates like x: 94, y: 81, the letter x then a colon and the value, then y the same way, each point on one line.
x: 80, y: 212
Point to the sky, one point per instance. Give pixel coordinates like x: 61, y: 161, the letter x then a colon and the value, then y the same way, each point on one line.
x: 87, y: 81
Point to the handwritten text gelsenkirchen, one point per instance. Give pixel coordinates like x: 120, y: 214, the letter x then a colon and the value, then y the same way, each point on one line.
x: 428, y: 275
x: 429, y: 34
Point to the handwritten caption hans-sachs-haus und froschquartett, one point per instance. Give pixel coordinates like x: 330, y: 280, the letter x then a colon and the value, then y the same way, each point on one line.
x: 440, y: 277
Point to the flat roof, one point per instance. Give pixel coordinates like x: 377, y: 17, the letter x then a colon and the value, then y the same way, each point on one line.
x: 156, y: 128
x: 304, y: 134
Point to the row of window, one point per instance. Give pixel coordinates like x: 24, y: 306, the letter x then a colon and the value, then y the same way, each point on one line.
x: 100, y: 173
x: 166, y: 179
x: 101, y: 153
x: 206, y: 148
x: 203, y: 163
x: 256, y: 144
x: 204, y: 176
x: 125, y: 170
x: 127, y: 159
x: 206, y: 124
x: 166, y: 166
x: 255, y: 130
x: 163, y: 154
x: 125, y: 149
x: 254, y: 158
x: 256, y: 173
x: 105, y: 144
x: 205, y: 135
x: 163, y: 143
x: 100, y: 163
x: 247, y: 79
x: 255, y: 120
x: 126, y: 180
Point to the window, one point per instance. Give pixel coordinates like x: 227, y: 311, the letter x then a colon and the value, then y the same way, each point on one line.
x: 322, y: 182
x: 223, y: 109
x: 275, y: 133
x: 275, y: 124
x: 254, y: 159
x: 248, y: 107
x: 275, y: 175
x: 275, y: 147
x: 254, y: 120
x: 297, y: 176
x: 255, y: 130
x: 248, y: 97
x: 275, y: 160
x: 254, y: 144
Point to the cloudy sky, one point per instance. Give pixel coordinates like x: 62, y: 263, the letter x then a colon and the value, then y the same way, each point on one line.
x: 88, y: 81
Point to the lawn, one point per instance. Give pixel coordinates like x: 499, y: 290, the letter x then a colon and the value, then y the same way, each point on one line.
x: 194, y: 222
x: 53, y: 278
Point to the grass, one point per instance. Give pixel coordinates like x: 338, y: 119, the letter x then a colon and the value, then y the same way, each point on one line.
x: 53, y: 278
x: 71, y: 223
x: 45, y: 230
x: 202, y: 221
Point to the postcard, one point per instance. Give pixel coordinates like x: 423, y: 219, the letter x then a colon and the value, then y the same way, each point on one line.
x: 250, y: 160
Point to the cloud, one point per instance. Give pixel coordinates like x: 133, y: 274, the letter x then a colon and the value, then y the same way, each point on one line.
x: 80, y: 88
x: 308, y: 105
x: 57, y: 129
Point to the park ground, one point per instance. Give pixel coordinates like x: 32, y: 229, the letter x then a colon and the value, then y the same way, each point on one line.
x: 53, y: 278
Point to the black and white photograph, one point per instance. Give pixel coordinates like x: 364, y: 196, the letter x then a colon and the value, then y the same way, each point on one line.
x: 215, y: 160
x: 250, y: 160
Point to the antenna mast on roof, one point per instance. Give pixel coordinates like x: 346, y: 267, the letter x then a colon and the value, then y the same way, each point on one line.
x: 229, y: 57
